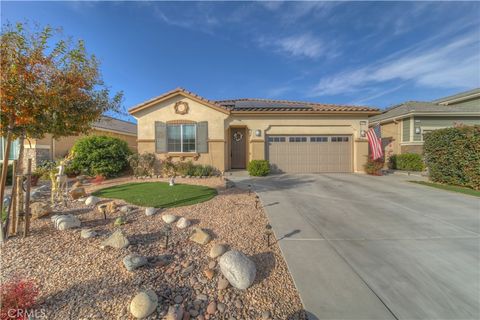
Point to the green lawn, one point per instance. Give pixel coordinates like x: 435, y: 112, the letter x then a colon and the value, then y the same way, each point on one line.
x: 450, y: 188
x: 158, y: 194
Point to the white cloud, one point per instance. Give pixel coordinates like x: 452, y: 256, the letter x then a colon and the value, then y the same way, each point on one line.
x: 453, y: 65
x: 303, y: 45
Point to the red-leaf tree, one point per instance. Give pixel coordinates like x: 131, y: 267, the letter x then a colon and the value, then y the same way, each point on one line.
x: 48, y: 85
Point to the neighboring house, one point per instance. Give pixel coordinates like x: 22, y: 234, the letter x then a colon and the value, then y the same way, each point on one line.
x: 51, y: 149
x: 294, y: 136
x: 403, y: 125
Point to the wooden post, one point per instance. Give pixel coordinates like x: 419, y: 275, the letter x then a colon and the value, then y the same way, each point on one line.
x: 3, y: 181
x: 19, y: 199
x: 27, y: 198
x: 12, y: 205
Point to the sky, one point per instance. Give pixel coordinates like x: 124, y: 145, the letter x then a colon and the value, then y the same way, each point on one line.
x: 376, y: 54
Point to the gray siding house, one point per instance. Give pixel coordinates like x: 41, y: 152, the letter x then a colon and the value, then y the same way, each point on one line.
x: 403, y: 126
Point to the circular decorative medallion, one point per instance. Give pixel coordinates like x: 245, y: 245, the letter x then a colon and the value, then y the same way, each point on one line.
x: 181, y: 107
x: 238, y: 136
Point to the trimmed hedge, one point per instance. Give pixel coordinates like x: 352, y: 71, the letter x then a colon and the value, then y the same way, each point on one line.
x: 258, y: 168
x: 100, y: 155
x: 407, y: 162
x: 452, y: 156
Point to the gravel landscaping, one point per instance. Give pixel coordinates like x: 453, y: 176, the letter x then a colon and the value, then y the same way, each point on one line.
x: 98, y: 271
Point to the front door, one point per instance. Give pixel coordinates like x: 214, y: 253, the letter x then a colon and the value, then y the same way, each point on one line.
x: 238, y: 144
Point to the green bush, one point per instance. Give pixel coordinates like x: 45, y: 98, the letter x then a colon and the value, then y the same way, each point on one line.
x: 142, y: 164
x: 100, y: 155
x: 9, y: 173
x: 374, y: 167
x: 407, y: 162
x: 258, y: 168
x: 452, y: 156
x: 185, y: 168
x: 189, y: 169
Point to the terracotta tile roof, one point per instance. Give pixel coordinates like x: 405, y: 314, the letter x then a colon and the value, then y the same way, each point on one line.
x: 260, y: 105
x: 248, y: 104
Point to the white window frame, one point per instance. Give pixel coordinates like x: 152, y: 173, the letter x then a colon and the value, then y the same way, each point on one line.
x: 181, y: 137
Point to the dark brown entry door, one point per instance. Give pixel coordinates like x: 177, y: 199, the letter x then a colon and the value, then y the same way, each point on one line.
x: 238, y: 143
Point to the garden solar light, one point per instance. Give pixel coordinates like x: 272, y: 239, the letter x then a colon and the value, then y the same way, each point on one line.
x: 257, y: 200
x: 268, y: 233
x: 249, y: 189
x: 103, y: 210
x: 166, y: 231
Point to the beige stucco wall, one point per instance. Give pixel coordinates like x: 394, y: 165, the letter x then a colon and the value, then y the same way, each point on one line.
x: 391, y: 138
x: 219, y: 125
x: 305, y: 124
x: 165, y: 111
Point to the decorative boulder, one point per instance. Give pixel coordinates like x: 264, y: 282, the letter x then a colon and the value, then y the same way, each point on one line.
x: 88, y: 233
x: 125, y: 209
x: 217, y: 250
x: 183, y: 223
x: 77, y: 193
x: 117, y: 240
x: 150, y: 211
x: 40, y: 209
x: 239, y: 270
x: 92, y: 200
x: 134, y: 261
x: 66, y: 221
x: 144, y: 304
x: 169, y: 218
x: 200, y: 236
x: 119, y: 221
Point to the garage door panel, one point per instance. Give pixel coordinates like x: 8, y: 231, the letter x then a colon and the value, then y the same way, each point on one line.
x: 318, y: 154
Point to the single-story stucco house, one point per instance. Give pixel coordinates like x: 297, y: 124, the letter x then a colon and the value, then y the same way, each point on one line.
x: 48, y: 148
x: 403, y: 125
x: 294, y: 136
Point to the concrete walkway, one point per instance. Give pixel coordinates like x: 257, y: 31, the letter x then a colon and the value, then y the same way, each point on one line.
x: 362, y: 247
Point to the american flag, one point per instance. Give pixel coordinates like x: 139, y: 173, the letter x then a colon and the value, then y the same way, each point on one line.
x: 375, y: 141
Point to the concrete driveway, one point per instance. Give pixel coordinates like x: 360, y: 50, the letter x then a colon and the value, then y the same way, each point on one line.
x: 362, y: 247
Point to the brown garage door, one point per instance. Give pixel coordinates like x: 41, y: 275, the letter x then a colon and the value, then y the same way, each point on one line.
x: 303, y: 154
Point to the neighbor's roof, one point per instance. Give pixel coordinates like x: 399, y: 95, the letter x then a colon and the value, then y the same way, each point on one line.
x: 117, y: 125
x: 249, y: 105
x: 416, y: 107
x: 459, y: 97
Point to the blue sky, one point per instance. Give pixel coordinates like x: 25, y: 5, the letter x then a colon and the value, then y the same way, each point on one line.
x: 366, y: 53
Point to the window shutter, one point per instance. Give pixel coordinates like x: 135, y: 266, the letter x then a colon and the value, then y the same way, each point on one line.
x: 202, y: 137
x: 160, y: 137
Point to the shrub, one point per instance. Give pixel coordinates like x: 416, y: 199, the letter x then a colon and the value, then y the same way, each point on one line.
x: 17, y: 294
x: 452, y: 156
x: 100, y: 155
x: 258, y: 168
x: 185, y: 168
x: 9, y: 173
x: 374, y: 167
x: 169, y: 168
x: 45, y: 167
x: 392, y: 161
x: 142, y: 164
x: 408, y: 162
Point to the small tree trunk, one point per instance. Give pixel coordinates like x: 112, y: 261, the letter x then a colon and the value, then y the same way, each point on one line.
x: 13, y: 204
x: 3, y: 181
x: 27, y: 198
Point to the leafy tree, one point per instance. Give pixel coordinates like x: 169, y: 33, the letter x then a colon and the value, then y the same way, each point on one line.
x: 48, y: 84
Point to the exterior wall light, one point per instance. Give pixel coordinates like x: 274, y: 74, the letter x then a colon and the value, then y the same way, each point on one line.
x: 418, y: 130
x: 363, y: 133
x: 258, y: 133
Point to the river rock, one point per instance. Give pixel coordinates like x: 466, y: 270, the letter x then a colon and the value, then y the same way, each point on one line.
x: 183, y: 223
x: 134, y: 261
x: 200, y: 236
x: 117, y: 240
x: 169, y: 218
x: 88, y: 233
x: 175, y: 312
x: 65, y: 221
x: 150, y: 211
x: 239, y: 270
x: 144, y: 304
x: 92, y: 200
x: 40, y: 210
x: 217, y: 250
